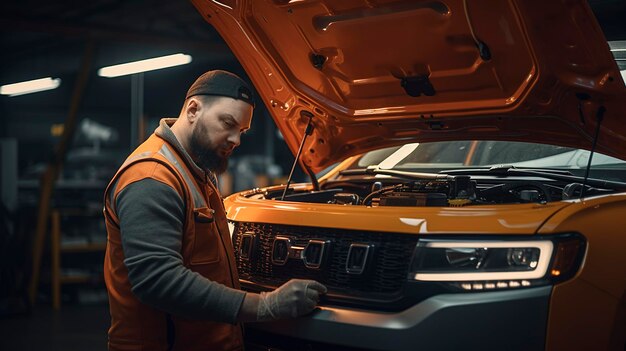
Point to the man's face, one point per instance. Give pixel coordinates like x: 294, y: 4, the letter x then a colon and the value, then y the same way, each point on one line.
x: 217, y: 131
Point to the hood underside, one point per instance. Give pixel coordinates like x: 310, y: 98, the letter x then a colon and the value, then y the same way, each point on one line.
x: 381, y: 73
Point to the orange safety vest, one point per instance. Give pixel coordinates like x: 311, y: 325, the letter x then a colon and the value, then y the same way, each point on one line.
x: 206, y: 249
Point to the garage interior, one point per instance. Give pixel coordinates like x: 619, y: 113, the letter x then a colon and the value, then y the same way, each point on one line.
x: 60, y: 147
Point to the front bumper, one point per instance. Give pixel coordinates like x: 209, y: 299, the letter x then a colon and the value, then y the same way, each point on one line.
x: 503, y: 320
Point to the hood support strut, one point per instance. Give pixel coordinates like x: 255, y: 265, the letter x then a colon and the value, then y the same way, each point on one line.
x: 316, y: 185
x: 599, y: 117
x: 307, y: 132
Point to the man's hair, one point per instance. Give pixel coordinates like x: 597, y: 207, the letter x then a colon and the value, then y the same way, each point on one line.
x: 207, y: 100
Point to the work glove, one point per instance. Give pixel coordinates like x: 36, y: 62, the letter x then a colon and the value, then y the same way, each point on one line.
x: 292, y: 299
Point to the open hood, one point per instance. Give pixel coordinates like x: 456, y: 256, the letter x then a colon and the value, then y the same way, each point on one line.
x: 381, y: 73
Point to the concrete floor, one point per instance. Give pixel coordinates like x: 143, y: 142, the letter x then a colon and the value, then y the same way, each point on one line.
x: 74, y: 327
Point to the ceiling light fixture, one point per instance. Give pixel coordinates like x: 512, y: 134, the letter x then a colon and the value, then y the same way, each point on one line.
x: 144, y: 65
x: 30, y: 86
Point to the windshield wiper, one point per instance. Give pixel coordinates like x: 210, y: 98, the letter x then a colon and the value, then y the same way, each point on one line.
x: 374, y: 170
x: 553, y: 174
x: 504, y: 170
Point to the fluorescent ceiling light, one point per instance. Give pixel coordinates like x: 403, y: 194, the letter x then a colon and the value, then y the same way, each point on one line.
x: 31, y: 86
x: 144, y: 65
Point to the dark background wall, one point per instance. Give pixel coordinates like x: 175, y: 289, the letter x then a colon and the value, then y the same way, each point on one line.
x: 41, y: 39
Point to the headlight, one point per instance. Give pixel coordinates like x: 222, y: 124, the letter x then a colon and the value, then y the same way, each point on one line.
x: 493, y: 264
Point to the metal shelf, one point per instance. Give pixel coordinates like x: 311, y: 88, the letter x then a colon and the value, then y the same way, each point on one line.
x: 58, y: 278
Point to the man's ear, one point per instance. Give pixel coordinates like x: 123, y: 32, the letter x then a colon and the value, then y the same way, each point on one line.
x: 192, y: 108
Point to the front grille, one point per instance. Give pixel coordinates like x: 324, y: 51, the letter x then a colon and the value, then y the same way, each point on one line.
x: 388, y: 264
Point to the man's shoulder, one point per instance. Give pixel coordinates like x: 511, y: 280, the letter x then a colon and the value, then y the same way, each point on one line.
x: 149, y: 168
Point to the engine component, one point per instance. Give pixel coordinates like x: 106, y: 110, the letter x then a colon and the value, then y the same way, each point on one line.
x: 431, y: 192
x: 459, y: 202
x: 530, y: 195
x: 345, y: 199
x: 571, y: 191
x: 413, y: 199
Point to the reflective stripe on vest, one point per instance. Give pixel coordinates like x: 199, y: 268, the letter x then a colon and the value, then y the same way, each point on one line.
x: 198, y: 200
x: 128, y: 161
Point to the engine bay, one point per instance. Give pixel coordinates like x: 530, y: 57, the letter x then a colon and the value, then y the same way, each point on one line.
x: 444, y: 190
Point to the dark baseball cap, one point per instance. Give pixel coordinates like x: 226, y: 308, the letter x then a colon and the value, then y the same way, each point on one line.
x: 221, y: 83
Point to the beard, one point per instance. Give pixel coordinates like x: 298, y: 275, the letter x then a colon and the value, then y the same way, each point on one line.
x: 205, y: 156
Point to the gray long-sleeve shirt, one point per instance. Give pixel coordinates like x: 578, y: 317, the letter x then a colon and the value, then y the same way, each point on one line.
x: 151, y: 217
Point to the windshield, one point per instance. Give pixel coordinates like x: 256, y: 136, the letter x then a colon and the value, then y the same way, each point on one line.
x: 438, y: 156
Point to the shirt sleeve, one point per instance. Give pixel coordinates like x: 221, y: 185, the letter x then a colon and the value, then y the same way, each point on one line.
x: 151, y: 216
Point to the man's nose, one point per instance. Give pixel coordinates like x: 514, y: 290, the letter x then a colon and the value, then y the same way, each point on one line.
x: 235, y: 139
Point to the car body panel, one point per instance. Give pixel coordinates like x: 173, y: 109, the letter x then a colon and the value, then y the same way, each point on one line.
x: 548, y: 74
x: 601, y: 329
x: 501, y: 219
x: 598, y: 291
x: 521, y: 326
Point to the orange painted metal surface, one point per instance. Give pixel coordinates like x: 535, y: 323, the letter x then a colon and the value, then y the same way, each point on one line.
x: 345, y: 62
x: 500, y: 219
x: 598, y: 291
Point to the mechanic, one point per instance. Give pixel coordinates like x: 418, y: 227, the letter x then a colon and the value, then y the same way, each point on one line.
x: 169, y: 266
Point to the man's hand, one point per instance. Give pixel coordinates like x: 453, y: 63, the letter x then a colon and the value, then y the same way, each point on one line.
x: 292, y: 299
